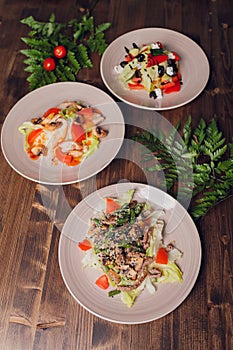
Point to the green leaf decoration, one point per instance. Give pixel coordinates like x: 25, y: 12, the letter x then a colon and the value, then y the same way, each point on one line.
x: 80, y: 37
x: 203, y: 152
x: 82, y: 57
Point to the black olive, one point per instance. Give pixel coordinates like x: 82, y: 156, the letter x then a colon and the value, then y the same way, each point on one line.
x: 126, y: 49
x: 153, y: 94
x: 135, y: 46
x: 137, y: 74
x: 161, y: 71
x: 98, y: 130
x: 123, y: 64
x: 171, y: 62
x: 140, y: 57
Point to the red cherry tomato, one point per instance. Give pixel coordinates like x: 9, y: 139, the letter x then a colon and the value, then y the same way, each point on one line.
x: 49, y: 64
x: 162, y: 256
x: 51, y: 110
x: 102, y: 282
x: 111, y: 205
x: 59, y: 51
x: 85, y: 244
x: 33, y: 135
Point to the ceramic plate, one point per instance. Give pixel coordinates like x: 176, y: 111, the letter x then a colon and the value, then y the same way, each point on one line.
x: 194, y: 68
x: 179, y: 227
x: 35, y: 104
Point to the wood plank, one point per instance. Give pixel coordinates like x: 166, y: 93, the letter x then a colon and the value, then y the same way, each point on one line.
x: 29, y: 280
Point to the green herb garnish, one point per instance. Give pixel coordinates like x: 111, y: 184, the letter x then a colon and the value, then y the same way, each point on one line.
x: 80, y: 38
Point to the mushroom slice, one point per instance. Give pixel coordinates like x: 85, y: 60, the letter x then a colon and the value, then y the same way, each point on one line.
x: 99, y: 132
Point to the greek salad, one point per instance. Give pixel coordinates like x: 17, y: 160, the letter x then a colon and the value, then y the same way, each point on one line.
x: 125, y: 243
x: 67, y: 133
x: 152, y: 68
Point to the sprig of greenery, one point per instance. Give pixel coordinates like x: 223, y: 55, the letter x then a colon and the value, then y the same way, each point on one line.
x: 80, y: 38
x: 198, y: 164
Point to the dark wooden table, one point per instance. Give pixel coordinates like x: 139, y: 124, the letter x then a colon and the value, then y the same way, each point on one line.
x: 36, y: 310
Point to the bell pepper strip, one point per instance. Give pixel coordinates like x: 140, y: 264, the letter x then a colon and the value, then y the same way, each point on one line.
x: 128, y: 58
x: 62, y: 156
x: 77, y: 132
x: 33, y: 135
x: 153, y: 60
x: 111, y: 205
x: 161, y: 256
x: 136, y: 86
x: 50, y: 111
x: 85, y: 245
x: 102, y: 282
x: 168, y: 90
x: 167, y: 85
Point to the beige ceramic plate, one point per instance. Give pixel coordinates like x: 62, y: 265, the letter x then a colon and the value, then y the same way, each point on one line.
x: 35, y: 104
x: 193, y: 64
x: 81, y: 282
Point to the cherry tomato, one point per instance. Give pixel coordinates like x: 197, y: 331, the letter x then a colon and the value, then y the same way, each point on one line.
x: 162, y: 256
x: 85, y: 244
x: 51, y: 110
x: 111, y: 205
x: 59, y: 51
x: 102, y: 282
x: 33, y: 135
x: 49, y: 64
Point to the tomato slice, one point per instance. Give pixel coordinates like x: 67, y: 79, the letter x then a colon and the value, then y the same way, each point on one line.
x: 102, y: 282
x: 63, y: 157
x: 50, y: 111
x: 77, y: 132
x: 33, y: 135
x: 85, y: 244
x: 162, y: 256
x: 111, y: 205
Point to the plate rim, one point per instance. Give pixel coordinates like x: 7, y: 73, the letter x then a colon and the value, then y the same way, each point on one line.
x: 188, y: 288
x: 149, y: 29
x: 34, y: 92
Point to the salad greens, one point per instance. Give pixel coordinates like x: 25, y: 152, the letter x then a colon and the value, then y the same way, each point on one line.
x: 126, y: 244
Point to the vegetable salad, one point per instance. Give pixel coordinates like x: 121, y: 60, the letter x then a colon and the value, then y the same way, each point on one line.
x: 126, y: 244
x: 152, y: 68
x: 67, y: 133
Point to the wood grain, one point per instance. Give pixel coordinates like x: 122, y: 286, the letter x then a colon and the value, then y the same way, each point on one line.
x: 36, y: 309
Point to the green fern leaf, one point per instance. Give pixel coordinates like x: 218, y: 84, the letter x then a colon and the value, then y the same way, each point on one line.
x: 187, y: 131
x: 38, y: 44
x: 74, y: 64
x: 83, y: 57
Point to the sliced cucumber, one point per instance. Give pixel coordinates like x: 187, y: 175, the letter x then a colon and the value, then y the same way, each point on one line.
x: 129, y: 70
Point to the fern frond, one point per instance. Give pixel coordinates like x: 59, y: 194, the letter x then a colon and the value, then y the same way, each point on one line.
x: 83, y: 57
